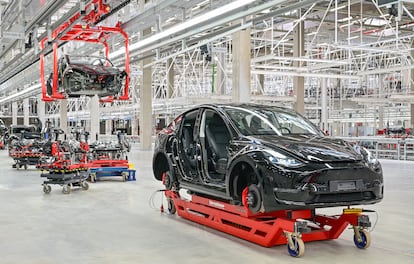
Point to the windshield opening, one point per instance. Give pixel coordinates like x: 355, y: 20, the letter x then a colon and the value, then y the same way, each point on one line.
x: 269, y: 121
x: 88, y: 60
x: 18, y: 130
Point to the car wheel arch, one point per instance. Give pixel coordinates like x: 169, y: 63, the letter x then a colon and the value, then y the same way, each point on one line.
x: 160, y: 165
x: 245, y: 166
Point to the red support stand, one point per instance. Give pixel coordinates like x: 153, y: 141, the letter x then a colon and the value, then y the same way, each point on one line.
x: 291, y: 227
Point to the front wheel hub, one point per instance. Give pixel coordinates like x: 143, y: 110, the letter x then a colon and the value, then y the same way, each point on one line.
x: 252, y: 198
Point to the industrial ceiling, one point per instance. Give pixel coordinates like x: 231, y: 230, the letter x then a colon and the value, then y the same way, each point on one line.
x: 359, y: 46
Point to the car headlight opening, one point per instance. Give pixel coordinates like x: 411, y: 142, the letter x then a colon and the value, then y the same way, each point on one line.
x: 282, y: 159
x: 369, y: 157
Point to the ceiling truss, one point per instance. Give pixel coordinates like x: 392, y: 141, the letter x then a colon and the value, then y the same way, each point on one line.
x: 364, y: 51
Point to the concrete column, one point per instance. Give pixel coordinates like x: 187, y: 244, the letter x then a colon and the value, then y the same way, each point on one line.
x: 26, y: 108
x: 146, y: 124
x: 299, y: 81
x: 64, y: 115
x: 380, y: 117
x: 108, y: 127
x: 94, y: 112
x: 41, y: 110
x: 261, y: 84
x: 241, y: 66
x: 134, y: 125
x: 220, y: 74
x: 412, y: 91
x: 381, y: 123
x: 170, y: 78
x: 336, y: 129
x: 324, y: 104
x: 15, y: 109
x: 344, y: 131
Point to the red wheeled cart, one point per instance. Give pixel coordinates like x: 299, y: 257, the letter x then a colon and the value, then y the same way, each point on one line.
x: 24, y: 158
x: 291, y: 227
x: 63, y: 167
x: 67, y: 176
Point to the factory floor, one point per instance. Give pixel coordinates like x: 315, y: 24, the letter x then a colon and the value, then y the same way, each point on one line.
x: 118, y: 222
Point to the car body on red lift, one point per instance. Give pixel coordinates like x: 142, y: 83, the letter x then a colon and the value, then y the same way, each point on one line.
x: 270, y: 158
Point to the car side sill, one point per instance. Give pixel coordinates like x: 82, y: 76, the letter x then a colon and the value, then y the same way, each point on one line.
x: 206, y: 191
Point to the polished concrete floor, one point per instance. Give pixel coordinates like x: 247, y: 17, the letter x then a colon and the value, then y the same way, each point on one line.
x: 115, y: 222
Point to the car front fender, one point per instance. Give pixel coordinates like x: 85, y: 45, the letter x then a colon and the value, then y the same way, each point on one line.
x: 240, y: 162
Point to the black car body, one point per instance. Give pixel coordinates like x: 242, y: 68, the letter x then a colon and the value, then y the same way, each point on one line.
x: 24, y: 138
x: 22, y: 132
x: 88, y: 75
x: 3, y: 128
x: 4, y: 135
x: 266, y: 158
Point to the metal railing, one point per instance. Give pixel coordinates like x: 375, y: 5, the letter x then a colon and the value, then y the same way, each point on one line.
x: 387, y: 148
x: 380, y: 147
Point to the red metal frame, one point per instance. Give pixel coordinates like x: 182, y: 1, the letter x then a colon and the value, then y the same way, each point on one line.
x: 63, y: 163
x: 265, y: 229
x: 109, y: 163
x: 81, y: 27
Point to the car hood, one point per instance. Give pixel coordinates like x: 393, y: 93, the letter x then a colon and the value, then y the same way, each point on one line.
x: 312, y: 148
x: 95, y: 69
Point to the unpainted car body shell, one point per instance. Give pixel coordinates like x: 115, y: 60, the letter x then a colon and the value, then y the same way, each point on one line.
x: 102, y: 78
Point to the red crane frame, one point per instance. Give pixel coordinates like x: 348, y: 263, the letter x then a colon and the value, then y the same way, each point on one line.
x: 81, y: 27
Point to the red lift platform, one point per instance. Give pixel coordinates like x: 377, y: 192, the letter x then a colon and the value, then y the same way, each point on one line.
x: 291, y: 227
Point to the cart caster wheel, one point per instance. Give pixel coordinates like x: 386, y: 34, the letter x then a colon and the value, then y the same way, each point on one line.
x: 66, y: 189
x: 47, y: 189
x: 167, y: 180
x: 365, y: 240
x: 298, y: 247
x: 85, y: 185
x: 171, y: 206
x: 92, y: 177
x: 124, y: 176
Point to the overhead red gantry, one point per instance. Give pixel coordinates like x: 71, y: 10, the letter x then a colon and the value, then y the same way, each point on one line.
x: 82, y: 27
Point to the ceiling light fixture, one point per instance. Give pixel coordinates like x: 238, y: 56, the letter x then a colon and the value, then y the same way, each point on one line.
x: 183, y: 26
x: 19, y: 94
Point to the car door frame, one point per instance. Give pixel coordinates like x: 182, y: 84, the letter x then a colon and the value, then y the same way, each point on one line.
x: 201, y: 159
x: 187, y: 172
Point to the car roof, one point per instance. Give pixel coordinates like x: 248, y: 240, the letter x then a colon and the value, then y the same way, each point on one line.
x: 22, y: 126
x: 252, y: 106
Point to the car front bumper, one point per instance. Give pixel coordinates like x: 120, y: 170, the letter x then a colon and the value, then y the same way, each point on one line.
x: 339, y: 187
x: 312, y: 198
